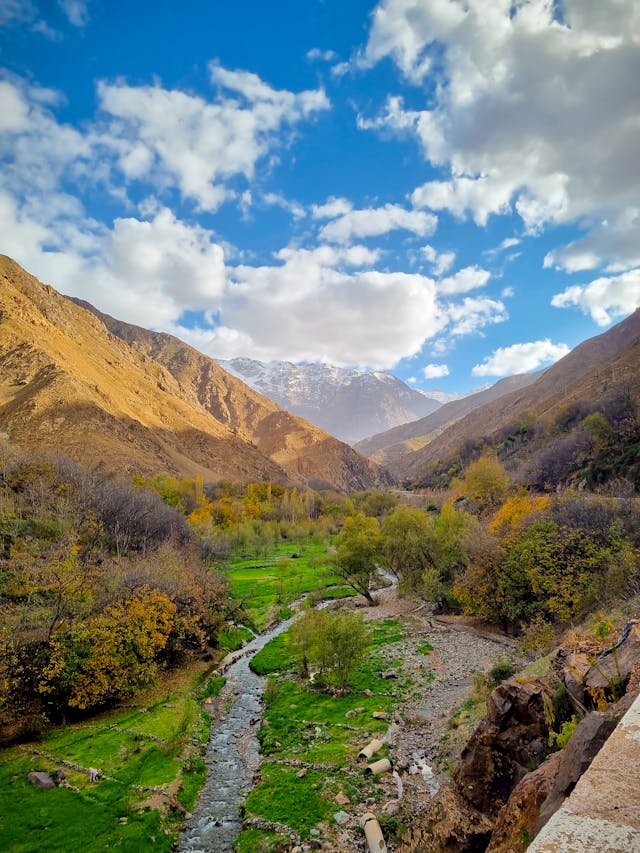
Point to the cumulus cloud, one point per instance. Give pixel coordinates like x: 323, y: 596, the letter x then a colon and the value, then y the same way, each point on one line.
x: 474, y: 313
x: 466, y: 279
x: 170, y: 137
x: 605, y: 298
x: 312, y: 307
x: 520, y: 358
x: 435, y: 371
x: 373, y: 222
x: 332, y: 208
x: 532, y: 110
x: 440, y: 261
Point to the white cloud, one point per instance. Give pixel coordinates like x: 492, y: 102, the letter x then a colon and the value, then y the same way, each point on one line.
x: 170, y: 137
x: 520, y: 358
x: 373, y: 222
x: 474, y: 313
x: 310, y: 307
x: 318, y: 55
x: 532, y: 111
x: 435, y: 371
x: 466, y: 279
x: 76, y: 11
x: 615, y: 243
x: 293, y: 207
x: 440, y: 261
x: 605, y: 298
x: 332, y: 208
x: 13, y: 12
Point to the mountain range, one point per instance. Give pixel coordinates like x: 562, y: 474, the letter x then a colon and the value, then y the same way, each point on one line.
x: 349, y: 404
x: 132, y: 401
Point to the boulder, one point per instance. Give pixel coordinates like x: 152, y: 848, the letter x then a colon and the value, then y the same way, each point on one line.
x: 541, y: 793
x: 508, y: 743
x: 449, y: 825
x: 517, y: 820
x: 40, y: 779
x: 615, y: 667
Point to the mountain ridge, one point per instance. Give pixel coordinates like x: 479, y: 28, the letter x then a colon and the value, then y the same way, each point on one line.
x: 70, y: 384
x: 348, y: 403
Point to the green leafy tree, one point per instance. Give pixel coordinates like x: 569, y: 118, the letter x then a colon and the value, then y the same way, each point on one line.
x: 486, y: 482
x: 332, y: 643
x: 357, y: 553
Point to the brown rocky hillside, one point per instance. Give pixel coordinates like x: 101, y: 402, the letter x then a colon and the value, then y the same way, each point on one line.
x: 600, y: 367
x: 390, y: 447
x: 302, y: 449
x: 70, y: 385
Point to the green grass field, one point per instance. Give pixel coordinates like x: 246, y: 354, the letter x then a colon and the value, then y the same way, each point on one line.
x: 111, y: 814
x: 307, y: 725
x: 268, y: 586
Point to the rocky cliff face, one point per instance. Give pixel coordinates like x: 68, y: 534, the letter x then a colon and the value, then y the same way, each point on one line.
x: 346, y: 403
x: 508, y: 782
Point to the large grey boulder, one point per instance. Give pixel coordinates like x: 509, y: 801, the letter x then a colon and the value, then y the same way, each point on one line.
x: 40, y: 779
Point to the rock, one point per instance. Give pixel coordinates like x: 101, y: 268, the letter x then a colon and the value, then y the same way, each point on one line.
x: 541, y: 793
x: 575, y: 667
x: 616, y: 666
x: 368, y: 692
x: 42, y: 780
x: 59, y: 776
x: 508, y: 743
x: 515, y: 825
x: 370, y: 801
x: 380, y: 715
x: 391, y: 808
x: 313, y: 831
x: 449, y: 824
x: 350, y: 714
x: 341, y: 818
x: 342, y: 799
x: 389, y: 673
x: 360, y: 710
x: 302, y: 773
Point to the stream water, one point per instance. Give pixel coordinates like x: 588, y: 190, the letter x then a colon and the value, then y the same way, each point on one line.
x: 233, y: 754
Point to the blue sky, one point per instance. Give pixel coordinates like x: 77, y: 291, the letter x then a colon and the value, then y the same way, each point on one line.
x: 449, y: 191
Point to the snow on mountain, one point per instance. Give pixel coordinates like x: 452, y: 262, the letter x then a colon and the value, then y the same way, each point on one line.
x: 350, y: 404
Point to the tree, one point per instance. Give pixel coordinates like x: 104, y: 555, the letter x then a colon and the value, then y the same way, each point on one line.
x: 332, y: 643
x: 486, y: 482
x: 357, y: 550
x: 407, y: 544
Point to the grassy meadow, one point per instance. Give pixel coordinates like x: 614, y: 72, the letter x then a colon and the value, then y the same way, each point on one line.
x: 155, y: 745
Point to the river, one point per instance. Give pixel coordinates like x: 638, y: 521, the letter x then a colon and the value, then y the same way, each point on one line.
x: 233, y: 753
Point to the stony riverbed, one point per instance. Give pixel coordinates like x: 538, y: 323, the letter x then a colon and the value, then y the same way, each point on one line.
x: 416, y: 736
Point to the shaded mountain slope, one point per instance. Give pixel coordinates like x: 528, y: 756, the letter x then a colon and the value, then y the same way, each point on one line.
x: 388, y: 448
x: 596, y: 371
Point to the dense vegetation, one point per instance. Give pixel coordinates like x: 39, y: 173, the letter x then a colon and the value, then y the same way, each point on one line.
x: 592, y: 444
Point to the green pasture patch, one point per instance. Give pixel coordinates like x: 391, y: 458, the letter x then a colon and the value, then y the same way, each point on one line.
x: 274, y: 657
x: 267, y: 586
x: 281, y: 796
x: 424, y: 648
x: 259, y: 841
x: 389, y: 631
x: 108, y: 815
x: 233, y: 638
